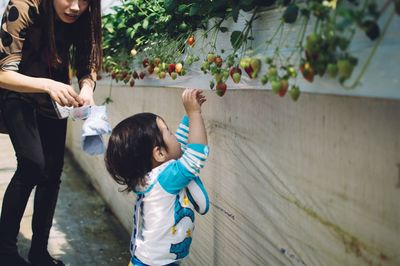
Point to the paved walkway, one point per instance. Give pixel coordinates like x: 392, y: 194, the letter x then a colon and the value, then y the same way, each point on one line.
x: 84, y: 231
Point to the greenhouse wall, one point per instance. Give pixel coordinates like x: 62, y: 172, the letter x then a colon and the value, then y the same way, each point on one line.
x: 313, y: 182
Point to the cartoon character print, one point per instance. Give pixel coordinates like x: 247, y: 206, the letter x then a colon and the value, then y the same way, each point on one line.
x: 181, y: 249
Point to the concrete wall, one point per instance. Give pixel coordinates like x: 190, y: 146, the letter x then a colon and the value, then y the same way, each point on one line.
x: 316, y: 182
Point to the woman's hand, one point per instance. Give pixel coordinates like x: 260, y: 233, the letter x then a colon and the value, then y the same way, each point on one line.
x: 64, y: 94
x: 86, y: 95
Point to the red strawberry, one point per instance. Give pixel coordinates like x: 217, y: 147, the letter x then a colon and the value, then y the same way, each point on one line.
x: 131, y: 82
x: 236, y: 74
x: 113, y: 75
x: 235, y: 70
x: 284, y: 87
x: 249, y: 70
x: 124, y: 74
x: 150, y: 69
x: 171, y: 68
x: 145, y: 62
x: 218, y: 61
x: 141, y: 75
x: 221, y: 89
x: 191, y: 41
x: 307, y: 71
x: 255, y: 64
x: 135, y: 75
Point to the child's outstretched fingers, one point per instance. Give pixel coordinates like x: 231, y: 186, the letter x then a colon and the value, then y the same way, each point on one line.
x: 200, y: 97
x: 192, y: 100
x: 184, y: 95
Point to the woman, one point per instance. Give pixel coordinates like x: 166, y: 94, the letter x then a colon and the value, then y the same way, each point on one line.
x: 39, y: 40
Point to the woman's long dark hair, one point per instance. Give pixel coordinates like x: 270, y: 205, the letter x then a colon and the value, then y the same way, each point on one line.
x: 130, y: 149
x: 87, y: 51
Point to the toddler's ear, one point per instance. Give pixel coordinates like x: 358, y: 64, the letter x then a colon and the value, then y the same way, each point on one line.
x: 159, y: 154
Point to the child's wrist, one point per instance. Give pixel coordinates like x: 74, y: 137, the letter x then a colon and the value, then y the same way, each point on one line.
x: 193, y: 112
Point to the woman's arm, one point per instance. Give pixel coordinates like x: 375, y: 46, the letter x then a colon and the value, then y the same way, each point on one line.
x: 87, y: 86
x: 20, y: 15
x: 62, y: 93
x: 15, y: 81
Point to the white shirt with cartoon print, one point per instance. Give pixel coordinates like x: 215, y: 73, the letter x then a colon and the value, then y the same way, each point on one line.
x: 164, y: 210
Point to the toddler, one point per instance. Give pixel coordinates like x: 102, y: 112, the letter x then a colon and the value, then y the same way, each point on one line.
x: 162, y: 169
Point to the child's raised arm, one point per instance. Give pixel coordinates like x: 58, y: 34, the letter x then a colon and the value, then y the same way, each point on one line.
x: 182, y: 133
x: 192, y: 100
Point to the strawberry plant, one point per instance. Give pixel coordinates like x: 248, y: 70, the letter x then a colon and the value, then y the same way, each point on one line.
x: 157, y: 38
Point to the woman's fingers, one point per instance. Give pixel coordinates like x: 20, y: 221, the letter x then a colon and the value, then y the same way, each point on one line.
x: 64, y: 101
x: 73, y: 97
x: 64, y: 94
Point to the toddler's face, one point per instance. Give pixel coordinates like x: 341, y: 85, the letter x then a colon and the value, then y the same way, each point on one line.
x: 173, y: 146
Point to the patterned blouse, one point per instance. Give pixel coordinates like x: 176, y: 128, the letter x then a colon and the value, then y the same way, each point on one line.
x: 24, y: 46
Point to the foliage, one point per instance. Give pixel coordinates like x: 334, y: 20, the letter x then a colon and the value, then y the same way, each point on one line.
x: 162, y: 32
x: 135, y: 24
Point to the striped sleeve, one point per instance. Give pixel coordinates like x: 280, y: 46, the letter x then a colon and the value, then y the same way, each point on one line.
x: 178, y: 174
x: 18, y: 17
x: 182, y: 133
x: 198, y: 195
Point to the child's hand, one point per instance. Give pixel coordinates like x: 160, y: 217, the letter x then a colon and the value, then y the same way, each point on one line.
x: 192, y: 100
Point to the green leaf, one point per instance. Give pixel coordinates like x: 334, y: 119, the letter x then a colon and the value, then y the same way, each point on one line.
x: 133, y: 33
x: 121, y: 25
x: 246, y: 5
x: 237, y: 39
x: 291, y: 13
x: 170, y: 5
x: 109, y: 27
x: 235, y: 13
x: 145, y: 24
x: 194, y: 9
x: 182, y: 8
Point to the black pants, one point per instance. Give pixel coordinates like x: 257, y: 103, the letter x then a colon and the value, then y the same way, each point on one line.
x: 39, y: 144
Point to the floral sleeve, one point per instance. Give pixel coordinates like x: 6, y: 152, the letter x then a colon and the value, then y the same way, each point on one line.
x: 17, y: 18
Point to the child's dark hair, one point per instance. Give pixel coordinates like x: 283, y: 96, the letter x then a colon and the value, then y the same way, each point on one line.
x: 129, y: 152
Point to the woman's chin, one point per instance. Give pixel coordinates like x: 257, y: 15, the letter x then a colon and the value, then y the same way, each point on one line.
x: 68, y: 19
